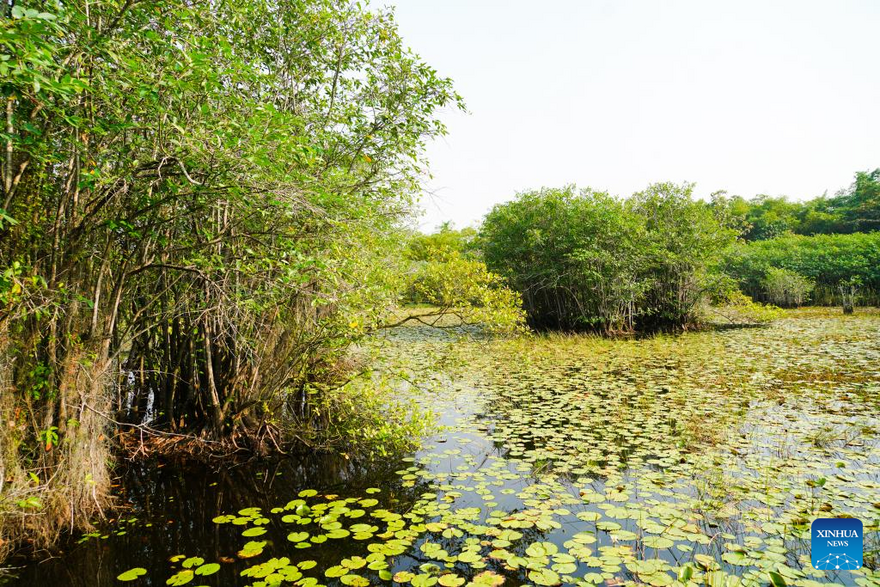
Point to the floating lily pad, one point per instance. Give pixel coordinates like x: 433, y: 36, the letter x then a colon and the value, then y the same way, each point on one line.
x: 132, y: 574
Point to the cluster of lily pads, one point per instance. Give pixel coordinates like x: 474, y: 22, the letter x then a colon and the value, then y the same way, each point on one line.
x: 192, y: 567
x: 699, y: 459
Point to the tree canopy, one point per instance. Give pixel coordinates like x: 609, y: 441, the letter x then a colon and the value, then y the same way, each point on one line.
x: 583, y: 259
x: 197, y: 202
x: 854, y: 209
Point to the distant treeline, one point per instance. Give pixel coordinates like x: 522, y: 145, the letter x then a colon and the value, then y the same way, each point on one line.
x: 768, y: 270
x: 586, y: 260
x: 854, y: 209
x: 821, y: 251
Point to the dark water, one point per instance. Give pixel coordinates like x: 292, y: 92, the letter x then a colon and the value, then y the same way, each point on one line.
x: 170, y: 511
x: 167, y: 511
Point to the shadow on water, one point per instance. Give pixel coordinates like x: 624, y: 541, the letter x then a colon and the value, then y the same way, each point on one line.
x: 168, y: 510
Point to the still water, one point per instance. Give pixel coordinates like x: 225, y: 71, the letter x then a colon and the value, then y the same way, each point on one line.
x: 699, y: 458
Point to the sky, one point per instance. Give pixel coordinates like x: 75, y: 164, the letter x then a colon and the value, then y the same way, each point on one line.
x: 753, y: 97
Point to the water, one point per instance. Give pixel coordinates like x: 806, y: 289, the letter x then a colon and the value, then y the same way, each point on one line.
x: 561, y: 460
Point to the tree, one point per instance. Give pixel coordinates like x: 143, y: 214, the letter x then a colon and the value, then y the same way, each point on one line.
x: 684, y: 242
x: 585, y: 260
x: 860, y: 204
x: 770, y: 217
x: 731, y: 211
x: 423, y: 247
x: 194, y: 202
x: 855, y: 209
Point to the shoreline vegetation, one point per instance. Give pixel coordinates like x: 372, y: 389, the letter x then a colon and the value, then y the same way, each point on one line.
x: 197, y: 206
x: 205, y: 216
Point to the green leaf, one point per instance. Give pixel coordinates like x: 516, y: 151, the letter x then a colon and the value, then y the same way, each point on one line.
x: 132, y: 574
x: 208, y: 569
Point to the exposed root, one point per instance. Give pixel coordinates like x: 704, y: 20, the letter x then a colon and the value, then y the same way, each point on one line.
x: 137, y: 443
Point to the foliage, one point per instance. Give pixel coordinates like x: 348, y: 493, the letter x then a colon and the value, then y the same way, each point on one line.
x: 738, y: 308
x: 195, y: 203
x: 425, y: 247
x: 462, y: 287
x: 825, y: 260
x: 786, y: 288
x: 855, y: 209
x: 586, y: 260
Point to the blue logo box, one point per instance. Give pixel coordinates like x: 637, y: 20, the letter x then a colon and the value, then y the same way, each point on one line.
x: 836, y: 544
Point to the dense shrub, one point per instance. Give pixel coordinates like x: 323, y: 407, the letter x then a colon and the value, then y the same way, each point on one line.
x: 735, y: 307
x: 585, y: 260
x: 786, y: 288
x: 826, y: 260
x: 445, y: 273
x: 683, y: 241
x: 461, y: 287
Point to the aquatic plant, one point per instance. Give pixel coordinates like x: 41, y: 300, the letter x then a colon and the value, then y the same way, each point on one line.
x: 696, y: 459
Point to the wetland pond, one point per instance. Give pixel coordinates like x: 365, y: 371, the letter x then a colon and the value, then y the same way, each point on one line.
x: 696, y: 459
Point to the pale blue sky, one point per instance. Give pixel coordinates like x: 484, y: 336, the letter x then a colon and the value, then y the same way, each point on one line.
x: 770, y: 96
